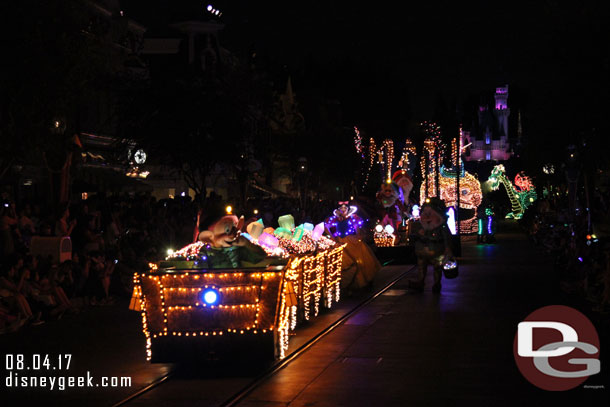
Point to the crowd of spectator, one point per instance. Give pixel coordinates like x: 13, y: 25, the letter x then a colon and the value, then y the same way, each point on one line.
x: 577, y: 237
x: 112, y: 237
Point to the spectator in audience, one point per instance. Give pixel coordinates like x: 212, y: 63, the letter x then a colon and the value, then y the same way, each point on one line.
x: 27, y: 228
x: 64, y: 226
x: 12, y: 285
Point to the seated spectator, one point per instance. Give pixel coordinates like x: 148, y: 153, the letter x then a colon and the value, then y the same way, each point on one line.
x: 12, y: 289
x: 57, y: 276
x: 9, y: 322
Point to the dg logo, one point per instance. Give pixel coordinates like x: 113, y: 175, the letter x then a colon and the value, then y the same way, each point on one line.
x: 556, y: 348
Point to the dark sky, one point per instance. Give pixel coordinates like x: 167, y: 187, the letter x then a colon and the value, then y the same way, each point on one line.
x: 555, y: 55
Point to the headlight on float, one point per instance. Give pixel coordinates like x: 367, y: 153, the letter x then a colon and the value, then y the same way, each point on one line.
x: 210, y: 296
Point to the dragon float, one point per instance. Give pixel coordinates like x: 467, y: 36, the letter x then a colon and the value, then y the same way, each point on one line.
x: 521, y: 195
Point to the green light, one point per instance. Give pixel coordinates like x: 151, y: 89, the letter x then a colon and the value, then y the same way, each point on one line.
x: 480, y: 232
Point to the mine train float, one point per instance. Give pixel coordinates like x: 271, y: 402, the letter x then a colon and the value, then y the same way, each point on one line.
x: 190, y: 312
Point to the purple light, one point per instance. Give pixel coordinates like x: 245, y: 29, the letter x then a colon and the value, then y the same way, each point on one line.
x: 580, y: 259
x: 268, y: 240
x: 489, y: 220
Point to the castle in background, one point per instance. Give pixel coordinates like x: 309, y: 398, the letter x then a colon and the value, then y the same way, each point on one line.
x: 488, y: 139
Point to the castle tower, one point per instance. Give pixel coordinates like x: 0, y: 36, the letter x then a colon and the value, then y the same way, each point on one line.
x: 502, y: 111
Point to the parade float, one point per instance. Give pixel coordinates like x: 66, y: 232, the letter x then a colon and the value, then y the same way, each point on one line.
x: 470, y: 196
x: 522, y: 194
x: 443, y: 182
x: 393, y: 206
x: 359, y: 264
x: 192, y: 309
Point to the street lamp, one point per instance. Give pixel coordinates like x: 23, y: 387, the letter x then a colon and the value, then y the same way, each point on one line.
x: 302, y: 171
x: 302, y: 165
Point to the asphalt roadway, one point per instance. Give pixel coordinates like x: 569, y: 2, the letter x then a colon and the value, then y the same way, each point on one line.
x: 402, y: 349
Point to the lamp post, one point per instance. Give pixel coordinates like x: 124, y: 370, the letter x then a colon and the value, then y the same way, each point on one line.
x: 302, y: 171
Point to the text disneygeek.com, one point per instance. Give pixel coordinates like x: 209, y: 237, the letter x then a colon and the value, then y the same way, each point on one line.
x: 24, y: 372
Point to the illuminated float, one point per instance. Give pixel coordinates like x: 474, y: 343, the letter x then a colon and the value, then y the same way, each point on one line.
x: 470, y: 196
x: 191, y: 310
x: 442, y: 181
x: 521, y: 197
x: 392, y: 199
x: 359, y: 265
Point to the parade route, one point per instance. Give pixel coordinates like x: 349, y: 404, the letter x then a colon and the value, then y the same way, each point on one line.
x: 107, y: 341
x: 425, y: 349
x: 401, y: 348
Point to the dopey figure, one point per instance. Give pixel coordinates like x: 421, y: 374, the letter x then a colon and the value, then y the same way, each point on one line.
x: 224, y: 247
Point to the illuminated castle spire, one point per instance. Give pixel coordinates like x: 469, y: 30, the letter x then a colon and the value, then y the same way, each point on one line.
x: 490, y: 138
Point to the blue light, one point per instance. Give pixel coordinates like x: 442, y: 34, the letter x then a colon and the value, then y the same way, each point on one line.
x: 451, y: 220
x: 415, y: 211
x: 210, y: 296
x: 580, y: 259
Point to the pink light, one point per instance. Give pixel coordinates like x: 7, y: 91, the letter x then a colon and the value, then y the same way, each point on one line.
x: 317, y: 231
x: 268, y: 240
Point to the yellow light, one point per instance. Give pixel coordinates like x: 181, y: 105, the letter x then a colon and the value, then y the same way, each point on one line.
x: 255, y: 211
x: 170, y: 252
x: 321, y: 273
x: 229, y: 209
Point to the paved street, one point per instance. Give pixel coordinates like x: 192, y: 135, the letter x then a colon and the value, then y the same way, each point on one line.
x: 427, y: 349
x: 401, y: 349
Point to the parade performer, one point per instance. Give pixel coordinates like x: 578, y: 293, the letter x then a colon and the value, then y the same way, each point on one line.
x: 432, y: 242
x: 359, y: 262
x: 389, y: 205
x: 405, y: 184
x: 223, y: 245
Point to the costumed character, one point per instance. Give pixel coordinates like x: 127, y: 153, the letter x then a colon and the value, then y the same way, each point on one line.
x: 487, y: 226
x: 432, y: 242
x: 223, y: 245
x: 388, y: 205
x: 405, y: 185
x: 360, y: 265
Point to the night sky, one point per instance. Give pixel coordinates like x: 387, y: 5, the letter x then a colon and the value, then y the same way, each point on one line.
x: 385, y: 61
